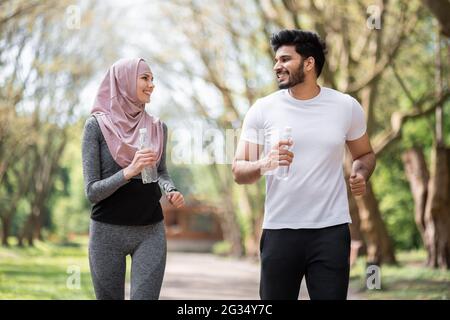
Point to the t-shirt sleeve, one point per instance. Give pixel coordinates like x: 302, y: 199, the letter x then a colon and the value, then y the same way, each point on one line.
x: 357, y: 122
x: 252, y: 128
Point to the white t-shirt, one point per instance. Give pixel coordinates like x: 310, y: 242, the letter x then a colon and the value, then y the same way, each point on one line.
x: 315, y: 193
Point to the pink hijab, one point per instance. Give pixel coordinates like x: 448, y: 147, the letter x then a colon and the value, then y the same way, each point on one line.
x: 120, y: 114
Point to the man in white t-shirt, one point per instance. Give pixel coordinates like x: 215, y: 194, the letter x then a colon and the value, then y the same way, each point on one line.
x: 306, y: 216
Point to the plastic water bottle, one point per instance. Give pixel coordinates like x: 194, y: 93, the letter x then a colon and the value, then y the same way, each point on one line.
x: 283, y: 171
x: 149, y: 174
x: 268, y: 143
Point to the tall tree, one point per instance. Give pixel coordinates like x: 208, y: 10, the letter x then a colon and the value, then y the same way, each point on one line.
x: 431, y: 188
x: 41, y: 86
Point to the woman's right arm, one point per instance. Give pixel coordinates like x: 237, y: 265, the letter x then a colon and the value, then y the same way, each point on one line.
x: 97, y: 189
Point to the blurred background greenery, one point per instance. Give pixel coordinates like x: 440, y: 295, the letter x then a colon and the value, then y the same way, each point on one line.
x: 211, y: 61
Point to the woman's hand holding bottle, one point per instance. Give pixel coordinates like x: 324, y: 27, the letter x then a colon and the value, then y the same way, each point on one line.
x: 142, y: 158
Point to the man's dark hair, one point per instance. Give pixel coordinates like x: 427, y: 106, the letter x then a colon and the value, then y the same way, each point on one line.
x: 307, y: 44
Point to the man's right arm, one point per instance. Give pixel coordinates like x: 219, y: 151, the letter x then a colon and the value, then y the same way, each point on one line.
x: 247, y: 164
x: 248, y: 167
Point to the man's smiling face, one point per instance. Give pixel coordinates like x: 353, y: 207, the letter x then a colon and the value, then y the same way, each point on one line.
x: 288, y: 67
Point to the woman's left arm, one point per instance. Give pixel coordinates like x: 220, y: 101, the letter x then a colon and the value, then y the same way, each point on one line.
x: 165, y: 181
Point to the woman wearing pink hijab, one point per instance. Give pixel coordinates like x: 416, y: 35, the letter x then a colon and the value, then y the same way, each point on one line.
x: 126, y: 217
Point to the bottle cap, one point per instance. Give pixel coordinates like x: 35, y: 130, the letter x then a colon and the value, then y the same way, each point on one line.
x: 143, y: 130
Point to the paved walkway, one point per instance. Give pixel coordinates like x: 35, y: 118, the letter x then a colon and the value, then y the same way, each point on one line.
x: 205, y: 276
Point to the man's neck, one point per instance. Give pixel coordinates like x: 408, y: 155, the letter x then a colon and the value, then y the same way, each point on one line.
x: 305, y: 90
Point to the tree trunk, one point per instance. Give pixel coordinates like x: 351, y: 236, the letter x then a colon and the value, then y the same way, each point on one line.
x: 37, y: 226
x: 448, y: 187
x: 231, y: 228
x: 251, y: 241
x: 418, y: 176
x: 256, y: 198
x: 437, y: 211
x: 379, y: 246
x: 29, y: 231
x: 439, y: 9
x: 6, y: 227
x: 25, y: 233
x: 432, y: 202
x: 19, y: 240
x: 227, y: 216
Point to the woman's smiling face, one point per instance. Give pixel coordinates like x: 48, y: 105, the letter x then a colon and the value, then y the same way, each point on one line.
x: 145, y: 87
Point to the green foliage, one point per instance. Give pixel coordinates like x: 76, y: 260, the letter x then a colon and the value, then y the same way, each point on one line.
x: 222, y: 248
x: 69, y: 208
x: 392, y: 188
x: 23, y: 209
x: 202, y: 184
x: 182, y: 177
x: 395, y: 200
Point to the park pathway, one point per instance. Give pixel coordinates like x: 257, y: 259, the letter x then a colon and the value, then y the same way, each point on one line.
x: 202, y: 276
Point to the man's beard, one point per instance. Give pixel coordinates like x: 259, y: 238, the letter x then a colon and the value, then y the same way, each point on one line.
x: 294, y: 78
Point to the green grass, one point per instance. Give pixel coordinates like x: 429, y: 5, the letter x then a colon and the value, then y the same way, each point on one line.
x: 410, y: 280
x: 42, y: 272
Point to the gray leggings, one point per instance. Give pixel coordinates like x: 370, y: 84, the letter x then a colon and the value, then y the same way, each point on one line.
x: 108, y: 247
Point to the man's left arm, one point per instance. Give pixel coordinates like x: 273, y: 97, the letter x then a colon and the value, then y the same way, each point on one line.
x: 363, y: 164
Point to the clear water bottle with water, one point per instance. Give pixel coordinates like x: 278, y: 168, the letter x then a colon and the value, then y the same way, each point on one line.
x: 283, y: 171
x: 268, y: 142
x: 150, y: 173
